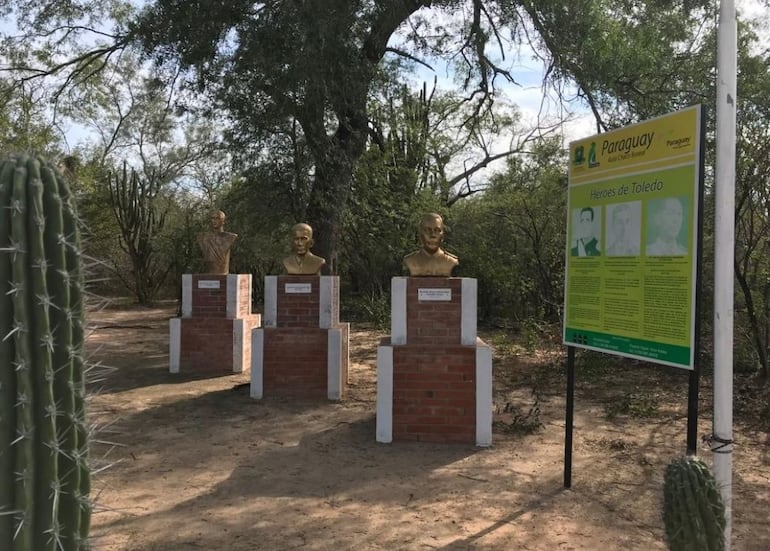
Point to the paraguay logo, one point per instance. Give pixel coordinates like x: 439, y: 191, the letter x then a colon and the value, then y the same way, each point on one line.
x: 578, y: 159
x: 592, y: 162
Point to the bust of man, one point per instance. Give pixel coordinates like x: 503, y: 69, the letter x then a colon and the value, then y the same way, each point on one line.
x: 215, y: 245
x: 302, y: 262
x: 431, y: 259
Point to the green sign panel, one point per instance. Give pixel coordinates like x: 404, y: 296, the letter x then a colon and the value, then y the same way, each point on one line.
x: 632, y: 240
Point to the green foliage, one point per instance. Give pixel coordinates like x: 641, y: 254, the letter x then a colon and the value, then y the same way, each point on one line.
x: 511, y: 238
x: 22, y: 117
x: 371, y: 308
x: 631, y: 60
x: 693, y: 510
x: 140, y: 210
x: 44, y: 473
x: 262, y: 227
x: 752, y: 228
x: 311, y: 62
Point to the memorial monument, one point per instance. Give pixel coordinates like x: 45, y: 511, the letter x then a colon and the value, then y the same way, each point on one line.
x: 434, y: 375
x: 213, y: 335
x: 215, y: 245
x: 302, y: 348
x: 430, y: 259
x: 302, y: 262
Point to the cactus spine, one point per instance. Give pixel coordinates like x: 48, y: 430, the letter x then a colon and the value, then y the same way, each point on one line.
x: 44, y: 476
x: 693, y: 510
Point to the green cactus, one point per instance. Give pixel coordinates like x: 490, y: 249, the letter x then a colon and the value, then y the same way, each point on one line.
x: 693, y: 510
x: 44, y: 475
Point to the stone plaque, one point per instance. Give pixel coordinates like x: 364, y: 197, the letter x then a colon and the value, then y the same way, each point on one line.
x: 208, y: 284
x: 298, y: 288
x: 434, y: 295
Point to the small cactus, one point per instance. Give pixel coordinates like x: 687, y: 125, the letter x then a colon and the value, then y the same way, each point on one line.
x: 693, y: 510
x: 44, y: 475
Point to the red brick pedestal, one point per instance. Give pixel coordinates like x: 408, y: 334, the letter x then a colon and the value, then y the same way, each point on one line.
x: 434, y: 375
x: 302, y: 349
x: 213, y: 334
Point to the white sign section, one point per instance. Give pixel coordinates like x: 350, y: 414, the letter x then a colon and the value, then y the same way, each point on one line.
x: 434, y: 295
x: 208, y: 284
x: 298, y: 288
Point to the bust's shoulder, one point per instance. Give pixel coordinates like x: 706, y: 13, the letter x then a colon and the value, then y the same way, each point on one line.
x: 451, y: 256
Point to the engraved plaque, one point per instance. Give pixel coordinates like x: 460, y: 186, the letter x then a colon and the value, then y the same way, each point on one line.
x: 298, y: 288
x: 208, y: 284
x: 434, y: 295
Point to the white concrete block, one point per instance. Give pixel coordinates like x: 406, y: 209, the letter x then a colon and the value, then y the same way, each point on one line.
x: 257, y: 363
x: 233, y: 294
x: 187, y: 306
x: 384, y: 430
x: 326, y: 301
x: 270, y: 315
x: 483, y: 395
x: 239, y: 337
x: 333, y: 357
x: 174, y: 344
x: 468, y: 309
x: 398, y: 310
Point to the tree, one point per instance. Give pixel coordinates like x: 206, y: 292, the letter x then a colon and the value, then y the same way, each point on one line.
x: 511, y: 238
x: 137, y: 205
x: 314, y: 62
x: 752, y: 208
x: 310, y: 61
x: 421, y: 156
x: 630, y: 60
x: 23, y: 125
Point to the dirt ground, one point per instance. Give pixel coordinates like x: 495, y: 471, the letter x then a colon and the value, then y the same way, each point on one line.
x: 195, y: 463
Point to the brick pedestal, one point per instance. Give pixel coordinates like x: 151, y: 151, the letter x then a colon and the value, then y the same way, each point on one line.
x: 302, y: 349
x: 434, y: 375
x: 213, y: 334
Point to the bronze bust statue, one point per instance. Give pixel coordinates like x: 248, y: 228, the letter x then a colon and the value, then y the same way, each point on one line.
x: 431, y: 259
x: 215, y: 245
x: 302, y: 262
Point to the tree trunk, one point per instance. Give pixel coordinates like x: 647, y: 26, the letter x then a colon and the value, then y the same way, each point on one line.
x: 329, y: 200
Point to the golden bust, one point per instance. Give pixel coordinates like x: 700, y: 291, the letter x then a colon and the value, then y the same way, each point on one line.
x: 302, y: 262
x: 215, y: 245
x: 431, y: 259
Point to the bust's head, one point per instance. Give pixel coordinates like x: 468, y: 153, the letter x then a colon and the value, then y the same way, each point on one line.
x: 217, y: 220
x: 431, y: 232
x: 301, y: 239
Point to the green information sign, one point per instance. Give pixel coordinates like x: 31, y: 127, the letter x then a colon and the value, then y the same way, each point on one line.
x: 632, y: 240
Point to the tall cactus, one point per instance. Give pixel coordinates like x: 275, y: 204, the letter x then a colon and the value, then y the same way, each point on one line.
x: 44, y: 475
x: 693, y: 510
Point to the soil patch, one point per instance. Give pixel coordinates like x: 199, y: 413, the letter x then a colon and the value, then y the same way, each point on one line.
x: 194, y: 463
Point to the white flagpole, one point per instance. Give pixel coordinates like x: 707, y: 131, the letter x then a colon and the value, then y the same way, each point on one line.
x: 724, y: 253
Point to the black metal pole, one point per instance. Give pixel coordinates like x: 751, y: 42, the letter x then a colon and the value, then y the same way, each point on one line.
x: 694, y: 386
x: 569, y: 417
x: 692, y: 412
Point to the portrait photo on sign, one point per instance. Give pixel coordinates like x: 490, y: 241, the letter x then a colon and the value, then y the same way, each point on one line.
x: 586, y: 230
x: 668, y: 228
x: 623, y: 229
